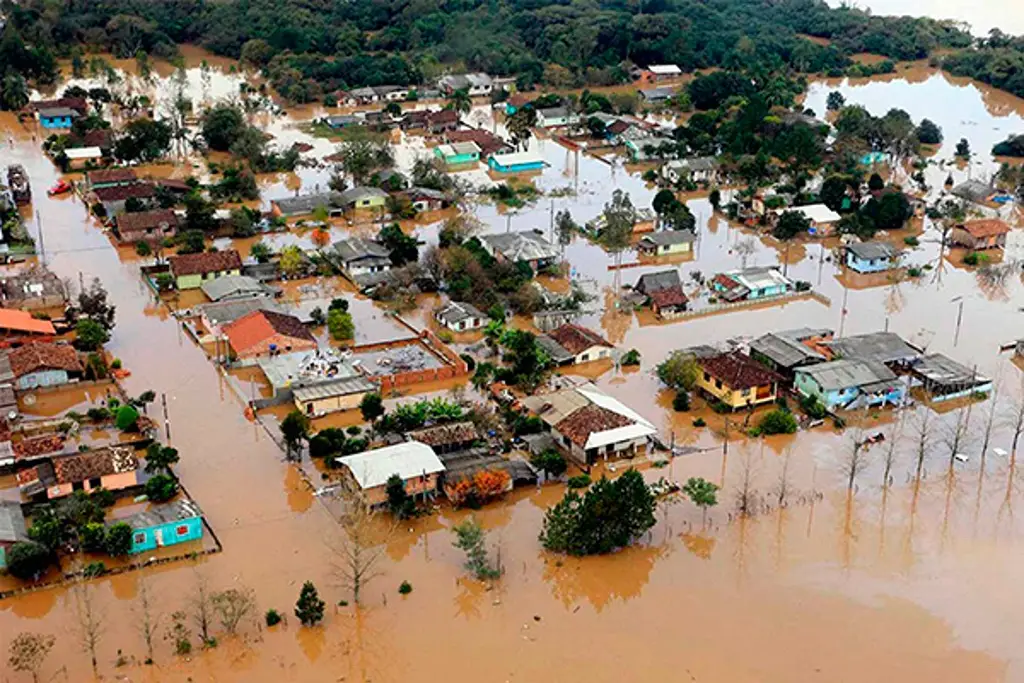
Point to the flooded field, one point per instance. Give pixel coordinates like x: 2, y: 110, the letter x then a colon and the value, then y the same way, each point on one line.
x: 916, y: 582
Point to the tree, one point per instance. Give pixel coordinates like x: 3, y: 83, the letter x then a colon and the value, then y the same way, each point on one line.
x: 126, y: 418
x: 833, y: 192
x: 159, y: 458
x: 875, y: 183
x: 90, y: 335
x: 309, y: 608
x: 963, y: 149
x: 551, y: 462
x: 13, y: 92
x: 92, y: 303
x: 161, y: 488
x: 361, y: 545
x: 929, y: 133
x: 191, y: 242
x: 320, y: 238
x: 119, y: 540
x: 403, y: 248
x: 471, y: 538
x: 261, y: 252
x: 90, y: 621
x: 232, y: 606
x: 702, y: 493
x: 294, y: 430
x: 361, y: 156
x: 222, y: 125
x: 200, y: 607
x: 679, y: 371
x: 664, y: 202
x: 400, y: 503
x: 777, y: 422
x: 835, y: 101
x: 28, y: 652
x: 148, y: 618
x: 791, y: 224
x: 460, y: 101
x: 292, y: 261
x: 520, y: 125
x: 340, y: 325
x: 28, y: 559
x: 372, y: 409
x: 143, y: 140
x: 565, y: 228
x: 610, y: 515
x: 856, y: 460
x: 620, y: 216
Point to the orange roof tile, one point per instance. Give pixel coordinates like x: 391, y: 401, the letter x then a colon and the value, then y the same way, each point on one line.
x: 258, y: 326
x: 43, y: 356
x: 22, y: 321
x: 987, y: 227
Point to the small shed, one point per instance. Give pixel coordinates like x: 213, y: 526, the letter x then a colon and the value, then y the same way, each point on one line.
x: 988, y: 233
x: 870, y: 257
x: 945, y: 379
x: 515, y: 162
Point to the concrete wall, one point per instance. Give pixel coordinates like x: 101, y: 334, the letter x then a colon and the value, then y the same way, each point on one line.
x: 332, y: 404
x: 111, y: 482
x: 196, y: 281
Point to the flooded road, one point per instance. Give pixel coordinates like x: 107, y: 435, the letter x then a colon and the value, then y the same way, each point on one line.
x: 914, y: 583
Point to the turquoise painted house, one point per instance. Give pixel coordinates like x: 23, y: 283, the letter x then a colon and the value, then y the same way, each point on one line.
x: 870, y: 257
x: 458, y: 153
x: 762, y: 282
x: 164, y: 525
x: 515, y: 162
x: 57, y: 117
x: 850, y: 383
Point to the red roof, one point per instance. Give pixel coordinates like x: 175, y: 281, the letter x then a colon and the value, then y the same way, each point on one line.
x: 738, y: 371
x: 443, y: 116
x: 43, y: 356
x: 112, y: 175
x: 145, y: 220
x: 91, y: 464
x: 119, y: 193
x: 22, y: 321
x: 205, y: 262
x: 576, y: 339
x: 592, y: 418
x: 668, y: 298
x: 258, y: 326
x: 487, y: 142
x: 726, y: 281
x: 988, y: 227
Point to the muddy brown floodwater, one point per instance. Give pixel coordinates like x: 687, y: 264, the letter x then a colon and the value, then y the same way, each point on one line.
x: 917, y: 582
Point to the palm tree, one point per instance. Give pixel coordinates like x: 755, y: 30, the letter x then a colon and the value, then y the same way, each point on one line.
x: 460, y: 101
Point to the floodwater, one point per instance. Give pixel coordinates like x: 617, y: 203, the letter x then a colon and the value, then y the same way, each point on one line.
x: 981, y: 15
x: 916, y: 582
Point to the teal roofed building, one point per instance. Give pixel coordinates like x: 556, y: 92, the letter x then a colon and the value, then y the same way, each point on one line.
x: 164, y: 525
x: 458, y: 153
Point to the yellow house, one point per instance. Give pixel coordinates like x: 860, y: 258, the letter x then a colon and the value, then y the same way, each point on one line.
x: 737, y: 380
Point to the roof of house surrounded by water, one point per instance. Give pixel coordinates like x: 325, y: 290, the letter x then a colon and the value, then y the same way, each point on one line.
x: 786, y: 348
x: 455, y: 312
x: 407, y: 459
x: 205, y: 262
x: 38, y: 356
x: 12, y: 522
x: 737, y: 371
x: 987, y: 227
x: 884, y: 347
x: 872, y: 251
x: 605, y: 420
x: 663, y: 279
x: 259, y: 326
x: 576, y: 339
x: 234, y: 287
x: 848, y: 372
x: 525, y: 245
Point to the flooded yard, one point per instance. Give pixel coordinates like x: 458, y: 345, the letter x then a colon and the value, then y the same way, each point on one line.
x: 915, y: 582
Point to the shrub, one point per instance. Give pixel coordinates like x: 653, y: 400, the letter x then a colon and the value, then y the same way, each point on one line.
x: 813, y: 408
x: 911, y: 241
x: 93, y: 537
x: 115, y: 364
x: 914, y: 271
x: 161, y: 488
x: 405, y: 588
x: 28, y: 559
x: 94, y: 569
x: 631, y: 357
x: 699, y: 422
x: 974, y: 258
x: 446, y: 336
x: 777, y: 422
x: 119, y: 540
x: 98, y: 414
x: 681, y: 402
x: 103, y: 497
x: 127, y: 417
x: 272, y: 617
x: 579, y: 481
x: 551, y: 462
x: 143, y: 249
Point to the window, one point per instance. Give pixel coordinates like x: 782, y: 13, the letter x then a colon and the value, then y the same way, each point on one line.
x: 707, y: 377
x: 584, y: 357
x: 181, y: 530
x: 718, y: 384
x: 94, y: 483
x: 566, y: 441
x: 78, y: 486
x: 140, y: 537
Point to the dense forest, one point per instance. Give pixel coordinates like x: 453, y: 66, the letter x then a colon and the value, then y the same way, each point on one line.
x: 308, y: 46
x: 998, y: 60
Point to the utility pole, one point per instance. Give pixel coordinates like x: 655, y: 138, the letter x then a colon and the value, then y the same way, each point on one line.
x: 167, y: 419
x: 42, y: 247
x: 959, y: 319
x: 842, y: 313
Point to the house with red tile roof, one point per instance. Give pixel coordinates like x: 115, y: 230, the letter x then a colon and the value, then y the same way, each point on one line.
x: 988, y: 233
x: 264, y: 333
x: 42, y: 364
x: 571, y: 344
x: 113, y: 468
x: 191, y: 270
x: 737, y: 380
x: 147, y: 226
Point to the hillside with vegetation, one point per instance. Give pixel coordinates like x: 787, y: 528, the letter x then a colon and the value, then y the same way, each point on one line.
x: 311, y: 46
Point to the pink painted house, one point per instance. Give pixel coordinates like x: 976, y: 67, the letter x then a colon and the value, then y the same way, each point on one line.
x: 113, y: 468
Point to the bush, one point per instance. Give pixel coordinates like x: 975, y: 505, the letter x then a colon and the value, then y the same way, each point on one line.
x: 127, y: 417
x: 911, y: 241
x: 161, y: 488
x: 551, y: 462
x: 119, y: 540
x: 914, y: 271
x: 143, y: 249
x: 974, y: 258
x: 699, y: 422
x: 340, y: 325
x: 94, y: 569
x: 681, y: 402
x: 579, y: 481
x: 777, y: 422
x: 631, y: 357
x: 115, y: 364
x: 813, y: 408
x: 93, y: 537
x: 98, y: 414
x: 102, y: 497
x: 272, y: 617
x: 405, y: 588
x: 28, y: 559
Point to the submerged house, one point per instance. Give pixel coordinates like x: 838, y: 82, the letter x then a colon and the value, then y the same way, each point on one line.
x: 235, y: 287
x: 556, y: 117
x: 219, y: 313
x: 750, y: 284
x: 110, y: 177
x: 115, y: 199
x: 737, y: 380
x: 488, y: 142
x: 43, y: 364
x: 974, y: 191
x: 525, y: 246
x: 989, y: 233
x: 113, y: 468
x: 319, y: 382
x: 589, y: 424
x: 147, y: 226
x: 693, y: 170
x: 33, y: 289
x: 304, y: 205
x: 788, y: 350
x: 164, y: 525
x: 516, y: 162
x: 264, y: 333
x: 459, y: 316
x: 667, y: 243
x: 664, y: 292
x: 823, y: 220
x: 56, y: 117
x: 415, y: 463
x: 458, y: 153
x: 363, y: 198
x: 571, y: 344
x: 870, y: 257
x: 850, y: 383
x: 945, y: 379
x: 359, y: 256
x: 884, y: 347
x: 476, y: 84
x: 190, y: 271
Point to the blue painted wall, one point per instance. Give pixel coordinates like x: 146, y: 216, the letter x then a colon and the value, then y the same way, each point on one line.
x: 43, y: 378
x: 144, y: 539
x: 867, y: 265
x: 55, y: 121
x: 515, y: 168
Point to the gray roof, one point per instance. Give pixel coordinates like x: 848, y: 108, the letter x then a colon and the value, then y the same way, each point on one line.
x: 162, y: 514
x: 526, y: 245
x: 456, y: 311
x: 939, y: 369
x: 657, y: 94
x: 6, y: 374
x: 340, y: 387
x: 663, y: 279
x: 785, y: 351
x: 306, y: 368
x: 665, y: 238
x: 869, y: 251
x: 58, y: 112
x: 12, y: 522
x: 358, y: 248
x: 307, y: 203
x: 973, y: 190
x: 553, y: 112
x: 885, y: 347
x: 850, y: 372
x: 223, y: 312
x: 554, y: 349
x: 355, y: 194
x: 234, y: 287
x: 695, y: 164
x: 426, y: 192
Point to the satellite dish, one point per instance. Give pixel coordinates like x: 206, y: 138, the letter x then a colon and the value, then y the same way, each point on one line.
x: 12, y: 415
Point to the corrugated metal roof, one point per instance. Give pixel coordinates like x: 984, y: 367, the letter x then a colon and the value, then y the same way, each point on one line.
x: 408, y: 459
x: 341, y: 387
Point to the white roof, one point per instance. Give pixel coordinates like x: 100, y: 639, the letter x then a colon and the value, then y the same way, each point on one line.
x: 453, y: 149
x: 409, y: 459
x: 818, y: 213
x: 84, y: 153
x: 640, y: 427
x: 664, y: 69
x: 512, y: 158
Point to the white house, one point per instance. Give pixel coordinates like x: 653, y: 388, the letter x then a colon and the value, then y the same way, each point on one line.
x: 662, y: 72
x: 460, y: 317
x: 415, y: 463
x: 823, y: 219
x: 556, y: 117
x: 572, y: 344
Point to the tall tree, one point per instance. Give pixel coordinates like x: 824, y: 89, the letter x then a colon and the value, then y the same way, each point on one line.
x: 28, y: 652
x: 309, y: 608
x: 360, y: 546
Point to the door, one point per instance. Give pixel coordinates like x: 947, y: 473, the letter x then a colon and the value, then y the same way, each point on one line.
x: 158, y: 535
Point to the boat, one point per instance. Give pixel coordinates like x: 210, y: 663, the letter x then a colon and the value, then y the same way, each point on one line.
x: 17, y: 181
x: 62, y: 187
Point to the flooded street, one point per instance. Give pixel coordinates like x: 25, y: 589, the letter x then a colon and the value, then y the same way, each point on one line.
x: 917, y: 582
